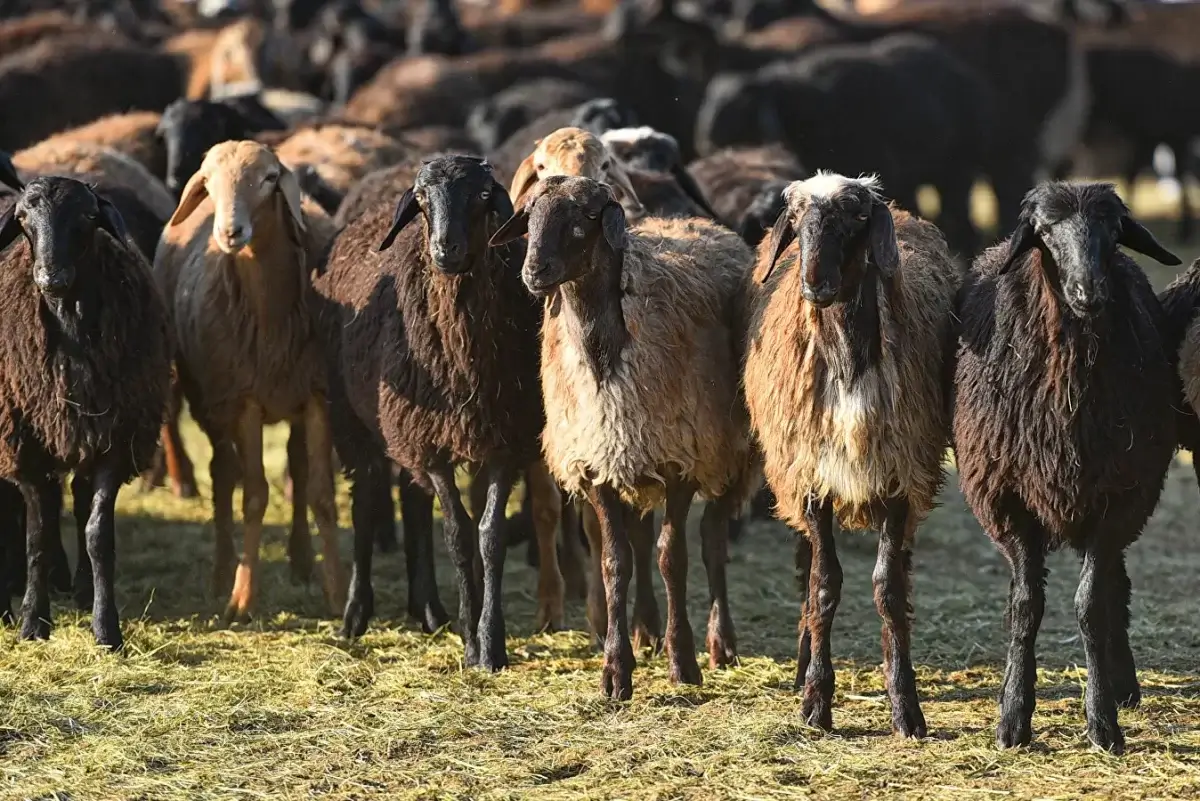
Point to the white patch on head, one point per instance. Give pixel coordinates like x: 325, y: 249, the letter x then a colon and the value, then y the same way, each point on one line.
x: 630, y: 135
x: 827, y: 184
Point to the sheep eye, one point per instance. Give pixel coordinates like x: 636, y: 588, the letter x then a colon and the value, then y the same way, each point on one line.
x: 485, y: 194
x: 861, y: 217
x: 271, y: 178
x: 591, y: 215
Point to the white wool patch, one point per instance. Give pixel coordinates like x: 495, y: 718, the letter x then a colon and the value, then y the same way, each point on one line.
x: 629, y: 135
x: 827, y: 184
x: 845, y: 465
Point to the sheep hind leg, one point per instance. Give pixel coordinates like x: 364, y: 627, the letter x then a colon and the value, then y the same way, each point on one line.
x: 60, y: 567
x: 824, y: 595
x: 383, y: 516
x: 83, y: 585
x: 319, y: 491
x: 360, y: 601
x: 647, y: 622
x: 35, y: 610
x: 572, y: 556
x: 1026, y: 604
x: 101, y: 552
x: 424, y: 604
x: 597, y: 612
x: 1093, y: 613
x: 673, y: 564
x: 803, y: 557
x: 715, y: 531
x: 299, y: 548
x: 224, y: 471
x: 254, y: 507
x: 893, y: 589
x: 1122, y: 668
x: 493, y: 655
x: 460, y: 532
x: 547, y: 505
x: 615, y: 519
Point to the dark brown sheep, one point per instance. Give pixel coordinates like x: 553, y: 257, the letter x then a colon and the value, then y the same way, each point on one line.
x: 1064, y: 427
x: 744, y: 186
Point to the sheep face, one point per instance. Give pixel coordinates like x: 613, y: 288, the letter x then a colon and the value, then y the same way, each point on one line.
x: 567, y: 220
x: 762, y: 212
x: 242, y: 179
x: 59, y: 217
x: 843, y: 226
x: 574, y: 151
x: 1077, y: 228
x: 457, y: 196
x: 644, y: 148
x: 188, y: 129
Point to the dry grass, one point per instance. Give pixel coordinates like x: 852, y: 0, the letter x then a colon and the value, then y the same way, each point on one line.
x: 285, y: 709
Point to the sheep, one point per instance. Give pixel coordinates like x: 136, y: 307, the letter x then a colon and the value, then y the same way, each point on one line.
x: 574, y: 151
x: 744, y: 186
x: 234, y: 264
x: 250, y: 51
x: 1052, y: 447
x: 849, y: 341
x: 443, y: 344
x: 131, y: 134
x: 656, y: 166
x: 1180, y: 301
x: 639, y: 382
x: 495, y: 119
x: 595, y: 116
x: 342, y: 153
x: 85, y: 354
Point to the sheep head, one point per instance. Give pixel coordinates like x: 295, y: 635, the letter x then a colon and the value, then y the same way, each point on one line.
x: 844, y: 227
x: 1077, y: 228
x: 574, y: 151
x: 60, y: 218
x: 244, y: 181
x: 187, y: 129
x: 570, y: 221
x: 457, y: 196
x: 647, y: 149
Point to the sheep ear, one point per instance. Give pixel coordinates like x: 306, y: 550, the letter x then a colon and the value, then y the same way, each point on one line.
x: 622, y: 187
x: 111, y: 220
x: 514, y: 228
x: 1138, y: 238
x: 612, y: 221
x: 193, y: 194
x: 500, y: 202
x: 524, y: 180
x: 10, y: 227
x: 8, y: 173
x: 1021, y: 242
x: 782, y: 235
x: 406, y: 211
x: 689, y: 187
x: 883, y: 240
x: 289, y: 187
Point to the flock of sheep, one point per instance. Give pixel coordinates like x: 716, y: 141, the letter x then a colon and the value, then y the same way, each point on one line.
x: 480, y: 260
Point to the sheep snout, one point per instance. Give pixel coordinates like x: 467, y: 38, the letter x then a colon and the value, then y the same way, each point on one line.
x: 233, y: 236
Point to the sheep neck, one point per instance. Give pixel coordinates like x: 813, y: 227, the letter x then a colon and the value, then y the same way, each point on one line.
x: 269, y: 271
x: 853, y: 331
x: 593, y: 303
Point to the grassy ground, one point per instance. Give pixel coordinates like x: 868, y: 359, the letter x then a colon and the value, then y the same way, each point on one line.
x: 283, y: 708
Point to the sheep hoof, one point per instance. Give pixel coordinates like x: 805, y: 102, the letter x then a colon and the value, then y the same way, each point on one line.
x: 646, y: 637
x: 359, y: 611
x: 430, y: 614
x: 234, y: 613
x: 185, y: 490
x: 908, y: 720
x: 818, y: 711
x: 685, y: 670
x: 1013, y: 733
x: 6, y: 613
x: 550, y: 617
x: 493, y: 658
x: 108, y: 635
x: 1128, y: 697
x: 617, y: 676
x: 35, y: 627
x: 1106, y: 734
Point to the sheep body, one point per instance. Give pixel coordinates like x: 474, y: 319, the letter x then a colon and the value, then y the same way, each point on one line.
x: 132, y: 134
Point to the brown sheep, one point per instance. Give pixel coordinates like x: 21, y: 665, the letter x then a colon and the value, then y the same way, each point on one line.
x: 234, y: 263
x: 849, y: 343
x: 133, y: 134
x: 640, y: 356
x: 341, y: 153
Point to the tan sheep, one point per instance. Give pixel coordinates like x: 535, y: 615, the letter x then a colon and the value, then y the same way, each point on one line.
x: 574, y: 151
x: 235, y: 265
x: 133, y: 134
x: 640, y: 384
x: 342, y: 154
x: 848, y: 343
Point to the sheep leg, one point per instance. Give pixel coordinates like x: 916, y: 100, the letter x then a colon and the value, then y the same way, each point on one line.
x: 12, y: 548
x: 82, y: 490
x: 60, y: 567
x: 893, y: 583
x: 35, y: 611
x: 1026, y: 603
x: 383, y: 516
x: 615, y: 519
x: 824, y: 595
x: 254, y: 507
x: 477, y: 488
x: 172, y: 458
x: 492, y: 548
x: 647, y: 623
x: 300, y: 550
x: 714, y: 535
x: 360, y: 602
x: 319, y: 490
x: 597, y: 609
x: 673, y: 564
x: 546, y: 502
x: 1093, y: 613
x: 572, y: 556
x: 224, y: 478
x: 459, y: 530
x: 1125, y: 685
x: 424, y: 604
x: 102, y: 552
x: 803, y: 557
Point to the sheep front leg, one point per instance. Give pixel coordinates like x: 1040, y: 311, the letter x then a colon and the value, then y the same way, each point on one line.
x: 319, y: 451
x: 547, y: 505
x: 824, y: 595
x: 492, y: 549
x: 1125, y: 685
x: 1092, y: 612
x: 35, y: 611
x: 715, y: 528
x: 254, y: 507
x: 1026, y: 604
x: 460, y: 535
x: 803, y: 557
x: 615, y: 519
x: 82, y: 490
x: 647, y: 623
x: 893, y: 581
x: 364, y: 492
x: 597, y: 610
x: 300, y: 551
x: 102, y: 552
x: 424, y: 603
x: 673, y: 563
x: 572, y: 557
x: 224, y: 478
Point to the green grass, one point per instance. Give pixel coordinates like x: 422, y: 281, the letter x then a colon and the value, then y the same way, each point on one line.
x: 283, y: 708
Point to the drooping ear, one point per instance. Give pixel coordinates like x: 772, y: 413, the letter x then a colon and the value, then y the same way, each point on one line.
x: 1021, y: 242
x: 514, y: 228
x: 689, y: 187
x: 782, y: 235
x: 289, y: 187
x: 406, y: 211
x: 193, y: 194
x: 524, y: 179
x: 612, y: 222
x: 10, y: 227
x: 500, y: 202
x: 622, y: 187
x: 1136, y: 237
x: 884, y: 252
x: 111, y: 220
x: 8, y: 173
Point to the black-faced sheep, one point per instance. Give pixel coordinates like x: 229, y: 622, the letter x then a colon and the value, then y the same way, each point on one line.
x: 846, y: 364
x: 234, y: 264
x: 1053, y: 447
x: 85, y: 355
x: 639, y: 378
x: 443, y: 343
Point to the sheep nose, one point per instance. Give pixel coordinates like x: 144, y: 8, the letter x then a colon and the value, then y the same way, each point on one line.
x: 446, y: 254
x: 54, y: 285
x: 821, y: 295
